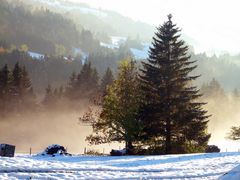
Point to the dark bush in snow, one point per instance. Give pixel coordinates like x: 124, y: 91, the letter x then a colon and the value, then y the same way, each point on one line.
x: 212, y: 149
x: 54, y: 150
x: 133, y: 151
x: 118, y: 152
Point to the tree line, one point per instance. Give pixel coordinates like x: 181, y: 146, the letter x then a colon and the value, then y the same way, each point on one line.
x: 56, y: 70
x: 16, y: 92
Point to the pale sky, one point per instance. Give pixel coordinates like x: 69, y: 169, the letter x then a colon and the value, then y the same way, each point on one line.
x: 215, y: 24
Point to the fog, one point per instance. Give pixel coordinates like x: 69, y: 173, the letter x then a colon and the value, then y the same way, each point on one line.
x: 61, y: 126
x: 56, y: 126
x: 224, y: 113
x: 210, y: 24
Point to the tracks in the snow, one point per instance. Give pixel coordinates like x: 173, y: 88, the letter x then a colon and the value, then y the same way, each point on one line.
x: 152, y: 174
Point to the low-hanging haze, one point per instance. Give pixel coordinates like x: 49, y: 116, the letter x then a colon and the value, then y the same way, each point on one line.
x: 213, y: 24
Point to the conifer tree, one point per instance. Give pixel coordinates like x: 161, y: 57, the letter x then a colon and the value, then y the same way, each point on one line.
x: 49, y: 98
x: 72, y: 86
x: 28, y: 97
x: 106, y: 80
x: 17, y: 77
x: 5, y: 80
x: 87, y: 81
x: 174, y: 120
x: 16, y: 87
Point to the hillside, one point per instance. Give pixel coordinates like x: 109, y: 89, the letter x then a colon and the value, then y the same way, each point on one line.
x: 96, y: 20
x: 41, y: 30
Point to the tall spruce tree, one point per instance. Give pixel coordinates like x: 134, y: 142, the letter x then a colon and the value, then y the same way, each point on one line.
x: 175, y: 121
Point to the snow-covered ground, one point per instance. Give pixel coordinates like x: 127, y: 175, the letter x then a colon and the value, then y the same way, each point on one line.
x: 190, y: 166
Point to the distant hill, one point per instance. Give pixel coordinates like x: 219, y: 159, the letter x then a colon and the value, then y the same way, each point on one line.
x: 97, y: 20
x: 41, y: 30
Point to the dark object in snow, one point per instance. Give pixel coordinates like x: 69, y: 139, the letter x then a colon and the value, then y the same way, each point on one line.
x: 7, y: 150
x: 118, y: 152
x: 212, y: 149
x: 54, y: 150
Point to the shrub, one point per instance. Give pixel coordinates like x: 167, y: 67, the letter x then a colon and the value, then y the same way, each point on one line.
x: 212, y: 149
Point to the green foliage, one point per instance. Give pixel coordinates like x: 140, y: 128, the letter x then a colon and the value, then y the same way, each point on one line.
x: 106, y: 80
x: 60, y: 50
x: 88, y: 42
x: 93, y: 152
x: 83, y: 85
x: 16, y: 92
x: 24, y: 48
x: 234, y: 134
x: 118, y: 120
x: 37, y: 29
x: 134, y: 43
x: 171, y: 114
x: 52, y: 70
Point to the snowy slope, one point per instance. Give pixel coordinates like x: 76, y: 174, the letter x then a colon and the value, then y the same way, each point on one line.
x: 141, y: 54
x: 68, y: 6
x: 234, y: 174
x: 190, y: 166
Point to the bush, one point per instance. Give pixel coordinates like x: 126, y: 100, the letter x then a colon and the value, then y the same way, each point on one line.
x: 118, y: 152
x: 93, y: 152
x: 54, y: 150
x: 212, y: 149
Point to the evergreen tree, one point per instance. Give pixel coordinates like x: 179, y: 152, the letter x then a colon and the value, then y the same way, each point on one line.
x: 213, y: 90
x: 118, y: 120
x: 174, y: 121
x: 72, y: 86
x: 87, y: 81
x: 49, y: 99
x: 16, y: 92
x: 106, y: 81
x: 16, y: 87
x: 21, y: 89
x: 5, y: 79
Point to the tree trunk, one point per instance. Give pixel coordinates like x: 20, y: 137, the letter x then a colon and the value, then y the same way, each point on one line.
x: 129, y: 147
x: 168, y: 147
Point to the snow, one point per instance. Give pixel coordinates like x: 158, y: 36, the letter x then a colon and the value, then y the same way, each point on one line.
x: 79, y: 51
x: 36, y: 55
x: 118, y: 40
x: 141, y: 54
x: 189, y: 166
x: 234, y: 174
x: 68, y: 6
x: 110, y: 46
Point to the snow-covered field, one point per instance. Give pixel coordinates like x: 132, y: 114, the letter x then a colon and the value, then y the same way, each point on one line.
x: 190, y: 166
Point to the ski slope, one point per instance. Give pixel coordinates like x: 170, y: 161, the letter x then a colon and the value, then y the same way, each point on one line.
x: 190, y: 166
